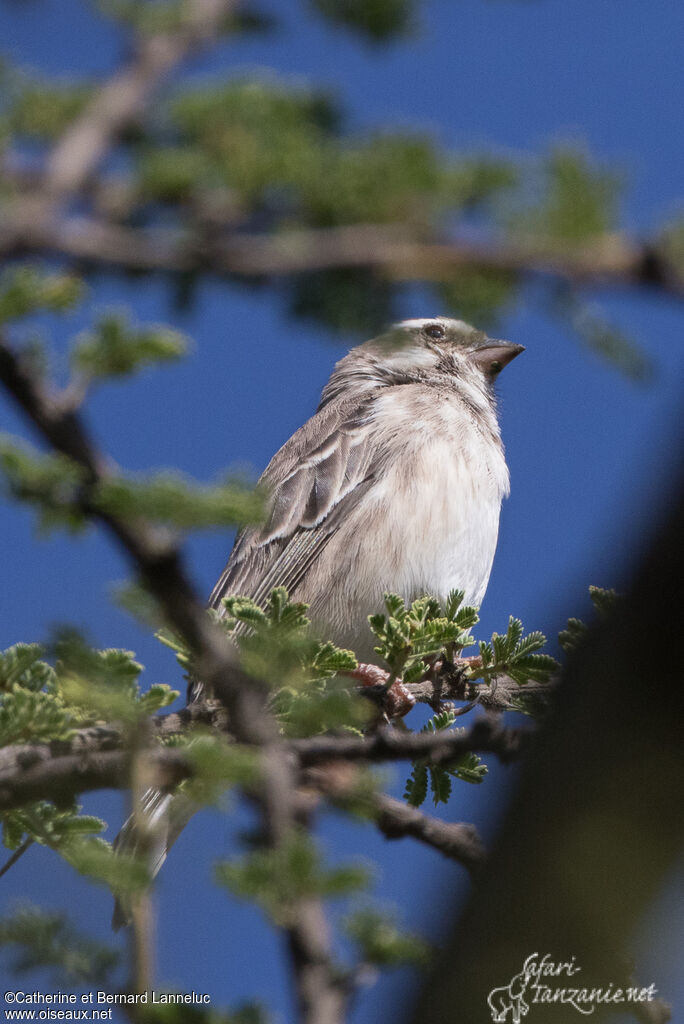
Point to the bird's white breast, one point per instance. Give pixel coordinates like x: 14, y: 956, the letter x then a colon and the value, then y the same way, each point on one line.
x: 442, y: 533
x: 428, y: 524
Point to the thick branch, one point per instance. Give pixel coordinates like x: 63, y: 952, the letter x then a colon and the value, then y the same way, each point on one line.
x: 391, y: 249
x: 458, y: 841
x: 392, y: 745
x: 95, y: 758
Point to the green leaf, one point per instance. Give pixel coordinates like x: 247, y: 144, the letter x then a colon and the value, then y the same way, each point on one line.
x: 50, y: 482
x: 468, y: 768
x: 173, y: 499
x: 410, y: 638
x: 48, y: 825
x: 21, y: 665
x: 218, y: 764
x: 46, y: 940
x: 579, y: 201
x: 573, y: 634
x: 114, y: 348
x: 95, y: 858
x: 26, y: 289
x: 416, y: 788
x: 377, y: 20
x: 31, y: 717
x: 604, y: 600
x: 515, y: 655
x: 382, y: 943
x: 278, y: 879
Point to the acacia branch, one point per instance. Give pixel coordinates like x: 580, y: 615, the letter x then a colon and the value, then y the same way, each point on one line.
x: 97, y: 759
x: 459, y: 841
x: 124, y: 97
x: 391, y: 249
x: 321, y: 995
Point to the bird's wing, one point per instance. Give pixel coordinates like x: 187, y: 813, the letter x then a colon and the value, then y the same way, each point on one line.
x: 312, y: 481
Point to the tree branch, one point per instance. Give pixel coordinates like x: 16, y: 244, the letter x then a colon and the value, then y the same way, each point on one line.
x: 321, y: 994
x: 87, y: 140
x: 391, y: 745
x: 95, y: 758
x: 391, y: 249
x: 458, y: 841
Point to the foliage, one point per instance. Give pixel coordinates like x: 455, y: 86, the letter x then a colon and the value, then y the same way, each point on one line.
x: 113, y: 348
x: 410, y: 637
x: 381, y: 942
x: 53, y: 483
x: 46, y: 940
x: 578, y: 199
x: 377, y: 19
x: 24, y: 290
x: 276, y: 643
x: 176, y: 501
x: 48, y: 825
x: 180, y: 1013
x: 575, y: 631
x: 277, y: 879
x: 468, y: 768
x: 515, y: 655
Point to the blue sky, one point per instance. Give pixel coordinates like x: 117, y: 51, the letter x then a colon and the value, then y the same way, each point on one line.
x: 588, y: 450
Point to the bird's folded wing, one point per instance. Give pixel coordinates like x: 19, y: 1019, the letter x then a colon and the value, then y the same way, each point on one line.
x: 313, y: 480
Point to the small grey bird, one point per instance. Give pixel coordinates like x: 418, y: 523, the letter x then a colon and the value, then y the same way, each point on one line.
x: 395, y: 484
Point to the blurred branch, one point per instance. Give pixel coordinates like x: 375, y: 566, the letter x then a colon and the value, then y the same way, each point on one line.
x: 391, y: 745
x: 321, y: 994
x: 87, y: 140
x: 61, y: 770
x: 456, y: 840
x: 391, y: 249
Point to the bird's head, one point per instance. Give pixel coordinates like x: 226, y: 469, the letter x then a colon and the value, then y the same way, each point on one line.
x: 436, y: 349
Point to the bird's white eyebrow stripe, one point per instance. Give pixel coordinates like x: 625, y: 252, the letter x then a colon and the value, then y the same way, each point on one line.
x: 424, y: 321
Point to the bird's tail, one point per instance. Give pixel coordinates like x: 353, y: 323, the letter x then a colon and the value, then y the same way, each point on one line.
x: 165, y: 816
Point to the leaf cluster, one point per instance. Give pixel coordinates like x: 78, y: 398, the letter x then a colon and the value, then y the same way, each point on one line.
x: 382, y: 943
x: 409, y: 638
x: 116, y: 348
x: 26, y: 289
x: 576, y: 630
x: 468, y: 768
x: 277, y: 879
x: 102, y: 685
x: 52, y: 483
x: 45, y: 939
x: 377, y: 20
x: 172, y: 499
x: 31, y: 710
x: 515, y: 655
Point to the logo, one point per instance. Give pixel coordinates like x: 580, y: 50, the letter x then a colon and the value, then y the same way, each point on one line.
x: 542, y: 981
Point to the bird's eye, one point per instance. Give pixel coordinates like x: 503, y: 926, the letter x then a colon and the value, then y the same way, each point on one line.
x: 435, y: 331
x: 495, y: 367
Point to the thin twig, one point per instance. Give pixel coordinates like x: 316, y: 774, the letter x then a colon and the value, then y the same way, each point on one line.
x: 19, y: 852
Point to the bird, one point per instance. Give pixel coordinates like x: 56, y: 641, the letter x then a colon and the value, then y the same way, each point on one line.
x: 394, y: 484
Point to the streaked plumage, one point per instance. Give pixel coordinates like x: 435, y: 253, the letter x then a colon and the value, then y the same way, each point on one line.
x: 394, y: 484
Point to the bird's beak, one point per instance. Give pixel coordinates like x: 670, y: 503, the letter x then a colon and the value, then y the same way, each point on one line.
x: 493, y: 355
